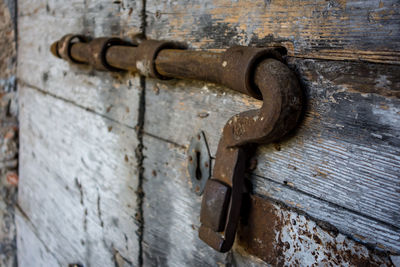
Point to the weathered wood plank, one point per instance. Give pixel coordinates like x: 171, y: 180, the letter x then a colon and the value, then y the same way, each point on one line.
x: 345, y: 152
x: 340, y: 30
x: 36, y: 254
x: 111, y: 95
x: 78, y: 180
x: 171, y: 215
x: 78, y: 183
x: 357, y: 226
x: 171, y: 211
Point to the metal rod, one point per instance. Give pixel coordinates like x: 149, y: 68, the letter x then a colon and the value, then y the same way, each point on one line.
x: 171, y: 63
x: 122, y: 57
x: 183, y: 64
x: 165, y: 62
x: 79, y: 52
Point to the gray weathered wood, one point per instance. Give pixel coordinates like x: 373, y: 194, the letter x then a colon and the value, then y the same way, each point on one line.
x: 171, y: 211
x: 105, y: 93
x: 78, y: 186
x: 78, y: 183
x: 36, y: 254
x: 339, y: 30
x: 78, y: 180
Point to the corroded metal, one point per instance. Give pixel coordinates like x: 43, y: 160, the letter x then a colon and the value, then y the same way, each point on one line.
x: 279, y: 114
x: 282, y: 237
x: 147, y: 53
x: 199, y: 163
x: 97, y: 49
x: 257, y: 72
x: 62, y: 48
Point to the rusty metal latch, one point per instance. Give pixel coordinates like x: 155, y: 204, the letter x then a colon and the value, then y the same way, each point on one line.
x: 257, y: 72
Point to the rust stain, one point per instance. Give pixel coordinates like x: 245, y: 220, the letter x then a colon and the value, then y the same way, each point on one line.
x: 258, y: 234
x: 280, y: 236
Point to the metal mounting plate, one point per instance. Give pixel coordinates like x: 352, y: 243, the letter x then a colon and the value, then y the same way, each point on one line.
x: 199, y: 163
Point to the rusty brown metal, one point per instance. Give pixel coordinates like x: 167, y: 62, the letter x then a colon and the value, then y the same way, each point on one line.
x: 122, y: 57
x: 62, y: 48
x: 184, y: 64
x: 282, y: 237
x: 280, y: 112
x: 97, y: 50
x: 257, y: 72
x: 147, y: 54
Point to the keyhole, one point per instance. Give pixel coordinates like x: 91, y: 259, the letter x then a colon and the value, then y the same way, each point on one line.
x: 198, y: 169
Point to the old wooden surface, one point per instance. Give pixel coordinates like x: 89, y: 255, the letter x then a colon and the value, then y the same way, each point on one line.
x: 78, y: 167
x: 171, y: 211
x: 342, y: 165
x: 106, y: 94
x: 337, y: 29
x: 84, y: 189
x: 78, y: 180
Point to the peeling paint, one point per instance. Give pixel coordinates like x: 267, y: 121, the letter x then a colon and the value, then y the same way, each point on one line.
x: 280, y: 237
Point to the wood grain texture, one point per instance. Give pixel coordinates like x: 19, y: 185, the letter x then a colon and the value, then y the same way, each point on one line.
x: 343, y: 162
x: 171, y: 211
x: 172, y: 220
x: 78, y: 181
x: 88, y: 218
x: 335, y: 29
x: 78, y: 177
x: 41, y: 23
x: 345, y: 152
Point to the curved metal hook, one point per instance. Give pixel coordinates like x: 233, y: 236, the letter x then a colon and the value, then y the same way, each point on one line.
x: 278, y: 115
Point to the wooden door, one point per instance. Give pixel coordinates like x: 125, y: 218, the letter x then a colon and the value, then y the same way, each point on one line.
x: 103, y: 165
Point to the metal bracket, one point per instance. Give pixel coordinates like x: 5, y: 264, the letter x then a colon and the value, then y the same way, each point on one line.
x: 199, y: 163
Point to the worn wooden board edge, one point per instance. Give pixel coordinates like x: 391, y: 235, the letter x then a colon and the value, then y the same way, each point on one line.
x: 334, y: 30
x: 274, y: 232
x: 99, y: 181
x: 113, y: 95
x: 372, y: 233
